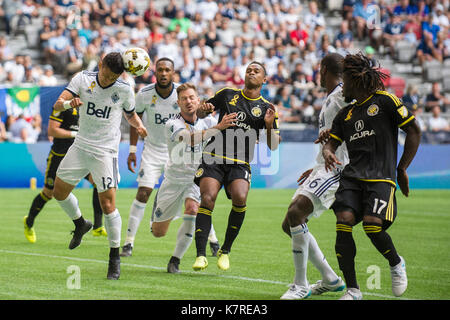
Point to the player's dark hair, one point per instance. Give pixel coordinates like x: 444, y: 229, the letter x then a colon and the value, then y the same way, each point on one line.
x: 260, y: 64
x: 334, y: 64
x: 165, y: 59
x: 114, y: 62
x: 362, y: 74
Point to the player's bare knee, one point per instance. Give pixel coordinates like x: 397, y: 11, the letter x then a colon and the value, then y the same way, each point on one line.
x: 372, y: 220
x: 346, y: 217
x: 298, y: 211
x: 286, y: 227
x: 208, y: 200
x: 143, y: 194
x: 239, y: 199
x: 191, y: 210
x: 48, y: 193
x: 59, y: 195
x: 158, y: 232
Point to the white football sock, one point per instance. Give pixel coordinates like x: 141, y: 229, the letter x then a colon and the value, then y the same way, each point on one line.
x: 318, y: 260
x: 212, y: 235
x: 300, y: 246
x: 113, y: 226
x: 136, y: 214
x: 184, y: 236
x: 70, y: 206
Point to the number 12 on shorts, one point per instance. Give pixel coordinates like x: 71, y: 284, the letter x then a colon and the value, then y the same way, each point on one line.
x: 379, y: 205
x: 107, y: 183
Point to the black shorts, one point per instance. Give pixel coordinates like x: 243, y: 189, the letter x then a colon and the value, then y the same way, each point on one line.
x: 367, y: 198
x: 224, y: 173
x: 53, y: 161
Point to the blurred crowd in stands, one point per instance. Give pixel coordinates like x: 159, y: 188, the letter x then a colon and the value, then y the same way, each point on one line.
x: 212, y: 41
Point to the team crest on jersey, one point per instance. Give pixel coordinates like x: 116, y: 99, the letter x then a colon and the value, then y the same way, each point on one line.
x: 175, y: 106
x: 403, y: 111
x: 115, y: 97
x: 199, y: 173
x: 373, y: 110
x: 256, y: 111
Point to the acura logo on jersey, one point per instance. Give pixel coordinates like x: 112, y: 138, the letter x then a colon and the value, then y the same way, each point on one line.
x: 241, y: 116
x: 359, y: 125
x: 99, y: 113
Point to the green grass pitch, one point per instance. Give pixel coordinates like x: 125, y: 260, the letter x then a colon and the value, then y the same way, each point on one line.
x: 261, y: 259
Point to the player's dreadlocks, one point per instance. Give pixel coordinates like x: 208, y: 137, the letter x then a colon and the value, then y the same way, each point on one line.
x: 362, y: 74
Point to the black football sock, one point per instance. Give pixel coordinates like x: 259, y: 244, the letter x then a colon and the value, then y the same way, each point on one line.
x: 79, y: 222
x: 382, y: 241
x: 345, y: 252
x: 202, y: 229
x: 36, y: 206
x: 113, y: 253
x: 235, y: 220
x: 98, y: 213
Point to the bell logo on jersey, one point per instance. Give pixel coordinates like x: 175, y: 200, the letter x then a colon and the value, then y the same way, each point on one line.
x: 159, y: 119
x: 99, y: 113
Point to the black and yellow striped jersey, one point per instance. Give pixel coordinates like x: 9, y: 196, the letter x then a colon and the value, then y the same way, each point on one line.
x: 238, y: 142
x: 69, y: 121
x: 370, y: 131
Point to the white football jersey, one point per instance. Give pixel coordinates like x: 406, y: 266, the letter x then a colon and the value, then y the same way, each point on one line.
x: 101, y: 112
x: 158, y: 111
x: 333, y: 103
x: 183, y: 158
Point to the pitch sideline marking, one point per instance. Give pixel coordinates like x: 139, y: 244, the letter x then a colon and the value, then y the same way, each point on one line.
x: 188, y: 272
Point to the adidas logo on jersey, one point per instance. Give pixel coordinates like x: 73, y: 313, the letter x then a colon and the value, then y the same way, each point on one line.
x: 99, y: 113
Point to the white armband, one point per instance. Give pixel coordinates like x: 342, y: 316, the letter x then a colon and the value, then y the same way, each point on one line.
x: 67, y: 105
x: 73, y: 133
x: 133, y: 149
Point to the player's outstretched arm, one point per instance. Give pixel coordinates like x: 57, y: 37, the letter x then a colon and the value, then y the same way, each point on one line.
x: 135, y: 121
x: 273, y: 139
x: 328, y: 153
x: 131, y: 160
x: 323, y: 137
x: 205, y: 109
x: 412, y: 142
x: 197, y: 137
x: 54, y: 130
x: 67, y: 100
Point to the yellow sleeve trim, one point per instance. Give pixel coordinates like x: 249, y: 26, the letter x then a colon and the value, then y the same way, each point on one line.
x: 57, y: 119
x: 336, y: 137
x: 405, y: 122
x: 393, y: 97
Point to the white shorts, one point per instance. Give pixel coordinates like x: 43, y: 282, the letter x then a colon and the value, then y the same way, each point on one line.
x: 151, y: 167
x: 78, y: 163
x: 320, y: 188
x: 170, y: 199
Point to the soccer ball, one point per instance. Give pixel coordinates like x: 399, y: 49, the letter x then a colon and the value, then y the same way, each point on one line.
x: 136, y: 61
